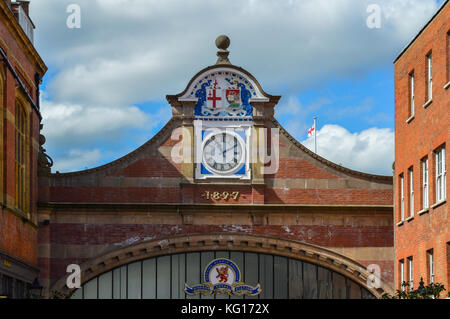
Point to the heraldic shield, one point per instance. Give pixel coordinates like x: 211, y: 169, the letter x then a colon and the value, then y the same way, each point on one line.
x: 222, y: 276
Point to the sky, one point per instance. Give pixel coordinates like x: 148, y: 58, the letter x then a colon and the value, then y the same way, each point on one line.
x: 104, y: 93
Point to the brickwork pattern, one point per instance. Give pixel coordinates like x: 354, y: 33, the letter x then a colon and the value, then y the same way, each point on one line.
x: 417, y: 138
x: 18, y: 234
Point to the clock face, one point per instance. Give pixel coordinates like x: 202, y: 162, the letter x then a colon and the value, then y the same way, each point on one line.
x: 223, y: 153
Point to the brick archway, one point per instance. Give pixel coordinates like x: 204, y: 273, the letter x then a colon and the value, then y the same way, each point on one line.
x: 231, y: 242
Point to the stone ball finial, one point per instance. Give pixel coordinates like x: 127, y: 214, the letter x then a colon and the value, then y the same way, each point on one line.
x: 222, y: 42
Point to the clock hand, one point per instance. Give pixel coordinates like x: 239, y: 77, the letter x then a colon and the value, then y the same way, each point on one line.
x: 229, y: 149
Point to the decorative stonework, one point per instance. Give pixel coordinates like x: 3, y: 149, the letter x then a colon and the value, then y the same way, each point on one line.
x: 45, y: 162
x: 231, y: 242
x: 222, y: 92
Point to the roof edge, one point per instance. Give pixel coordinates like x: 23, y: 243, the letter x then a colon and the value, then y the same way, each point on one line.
x: 421, y: 30
x: 173, y: 98
x: 22, y: 38
x: 373, y: 177
x: 122, y: 159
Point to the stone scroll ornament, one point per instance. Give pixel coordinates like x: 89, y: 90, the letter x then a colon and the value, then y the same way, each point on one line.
x: 222, y: 276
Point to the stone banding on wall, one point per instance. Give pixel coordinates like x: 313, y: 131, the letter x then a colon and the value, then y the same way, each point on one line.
x: 230, y: 242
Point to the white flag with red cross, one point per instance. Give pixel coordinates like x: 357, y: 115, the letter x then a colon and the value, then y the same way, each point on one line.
x: 311, y: 131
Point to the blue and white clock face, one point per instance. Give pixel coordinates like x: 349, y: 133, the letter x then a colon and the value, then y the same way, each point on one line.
x: 223, y: 153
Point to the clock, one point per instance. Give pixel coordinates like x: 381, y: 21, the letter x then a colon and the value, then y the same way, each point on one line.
x: 223, y: 153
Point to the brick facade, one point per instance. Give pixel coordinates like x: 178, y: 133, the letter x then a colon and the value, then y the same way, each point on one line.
x: 20, y: 75
x: 146, y: 196
x: 418, y: 136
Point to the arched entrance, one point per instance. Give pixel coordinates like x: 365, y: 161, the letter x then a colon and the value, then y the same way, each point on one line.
x: 284, y: 268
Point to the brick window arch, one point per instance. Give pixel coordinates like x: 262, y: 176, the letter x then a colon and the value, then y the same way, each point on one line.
x: 344, y: 267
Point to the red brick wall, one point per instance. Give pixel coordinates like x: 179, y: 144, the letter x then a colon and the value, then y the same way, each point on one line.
x: 299, y: 168
x: 150, y: 176
x: 151, y: 167
x: 246, y: 196
x: 113, y: 236
x: 160, y: 168
x: 329, y: 196
x: 419, y: 138
x: 18, y: 237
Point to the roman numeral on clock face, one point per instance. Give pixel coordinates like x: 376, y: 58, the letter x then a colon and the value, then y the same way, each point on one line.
x: 223, y: 152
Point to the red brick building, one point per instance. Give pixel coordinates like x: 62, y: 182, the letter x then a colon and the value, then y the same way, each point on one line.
x: 222, y: 179
x: 20, y: 75
x: 422, y: 100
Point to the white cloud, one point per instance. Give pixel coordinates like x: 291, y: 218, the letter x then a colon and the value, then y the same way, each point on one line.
x: 75, y: 125
x: 132, y: 51
x: 295, y: 116
x: 76, y: 159
x: 370, y: 151
x: 129, y: 52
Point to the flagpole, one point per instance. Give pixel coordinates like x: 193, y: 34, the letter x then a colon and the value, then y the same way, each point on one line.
x: 315, y: 134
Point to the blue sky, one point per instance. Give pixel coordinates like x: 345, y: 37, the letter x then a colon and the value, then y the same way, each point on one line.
x: 104, y: 93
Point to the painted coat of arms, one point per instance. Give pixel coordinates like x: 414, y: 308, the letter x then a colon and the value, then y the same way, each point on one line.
x: 222, y: 276
x: 220, y: 95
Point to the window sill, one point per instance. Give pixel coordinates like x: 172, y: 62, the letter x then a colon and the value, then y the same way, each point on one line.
x: 410, y: 119
x: 447, y: 85
x: 19, y: 213
x: 427, y: 103
x: 410, y: 218
x: 439, y: 203
x: 400, y: 223
x: 423, y: 211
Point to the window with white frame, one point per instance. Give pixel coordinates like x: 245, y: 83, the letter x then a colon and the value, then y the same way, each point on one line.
x: 402, y: 198
x: 425, y: 201
x: 411, y: 94
x: 410, y: 273
x: 430, y: 76
x: 448, y: 56
x: 411, y: 192
x: 402, y: 274
x: 440, y: 174
x: 431, y: 265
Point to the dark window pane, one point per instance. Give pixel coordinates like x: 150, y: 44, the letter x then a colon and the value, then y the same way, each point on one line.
x: 354, y: 290
x: 310, y: 281
x: 149, y: 278
x: 251, y: 271
x: 163, y: 278
x: 295, y: 279
x: 324, y: 283
x: 280, y: 277
x: 266, y: 276
x: 339, y: 287
x: 193, y: 271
